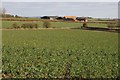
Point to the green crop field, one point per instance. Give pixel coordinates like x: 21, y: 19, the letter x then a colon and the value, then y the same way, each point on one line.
x: 59, y: 53
x: 9, y: 24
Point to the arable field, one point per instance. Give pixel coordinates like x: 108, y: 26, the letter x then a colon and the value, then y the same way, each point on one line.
x: 9, y: 24
x: 60, y: 53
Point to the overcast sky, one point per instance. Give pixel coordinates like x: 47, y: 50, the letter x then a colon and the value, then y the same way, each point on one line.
x: 60, y: 0
x: 92, y: 9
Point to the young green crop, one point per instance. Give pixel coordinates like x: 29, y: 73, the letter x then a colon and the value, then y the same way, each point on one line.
x: 56, y: 53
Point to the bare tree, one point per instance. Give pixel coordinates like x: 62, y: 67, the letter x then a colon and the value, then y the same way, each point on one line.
x: 3, y: 11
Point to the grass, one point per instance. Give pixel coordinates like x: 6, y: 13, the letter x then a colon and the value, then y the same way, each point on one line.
x: 46, y: 53
x: 9, y: 24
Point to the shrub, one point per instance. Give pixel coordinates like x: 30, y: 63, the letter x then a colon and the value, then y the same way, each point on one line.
x: 46, y: 24
x: 23, y: 26
x: 29, y: 25
x: 16, y: 26
x: 36, y: 25
x: 111, y: 25
x: 84, y: 25
x: 118, y: 24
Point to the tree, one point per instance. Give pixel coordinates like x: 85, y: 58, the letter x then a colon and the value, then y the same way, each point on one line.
x: 29, y: 25
x: 36, y: 25
x: 3, y: 11
x: 84, y: 25
x: 46, y: 24
x: 15, y: 26
x: 111, y: 25
x: 16, y: 16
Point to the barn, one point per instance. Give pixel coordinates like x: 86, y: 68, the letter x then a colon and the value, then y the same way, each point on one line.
x: 70, y: 18
x: 45, y: 17
x: 82, y: 19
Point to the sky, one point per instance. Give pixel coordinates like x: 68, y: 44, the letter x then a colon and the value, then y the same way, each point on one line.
x: 60, y: 0
x: 91, y: 9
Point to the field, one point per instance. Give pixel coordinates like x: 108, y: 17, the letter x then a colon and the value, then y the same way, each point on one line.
x: 59, y: 53
x: 9, y: 24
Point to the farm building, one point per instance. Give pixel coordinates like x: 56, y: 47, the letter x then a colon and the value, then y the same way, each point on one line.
x: 82, y: 19
x: 70, y: 18
x: 53, y: 17
x: 45, y: 17
x: 49, y: 17
x: 60, y: 18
